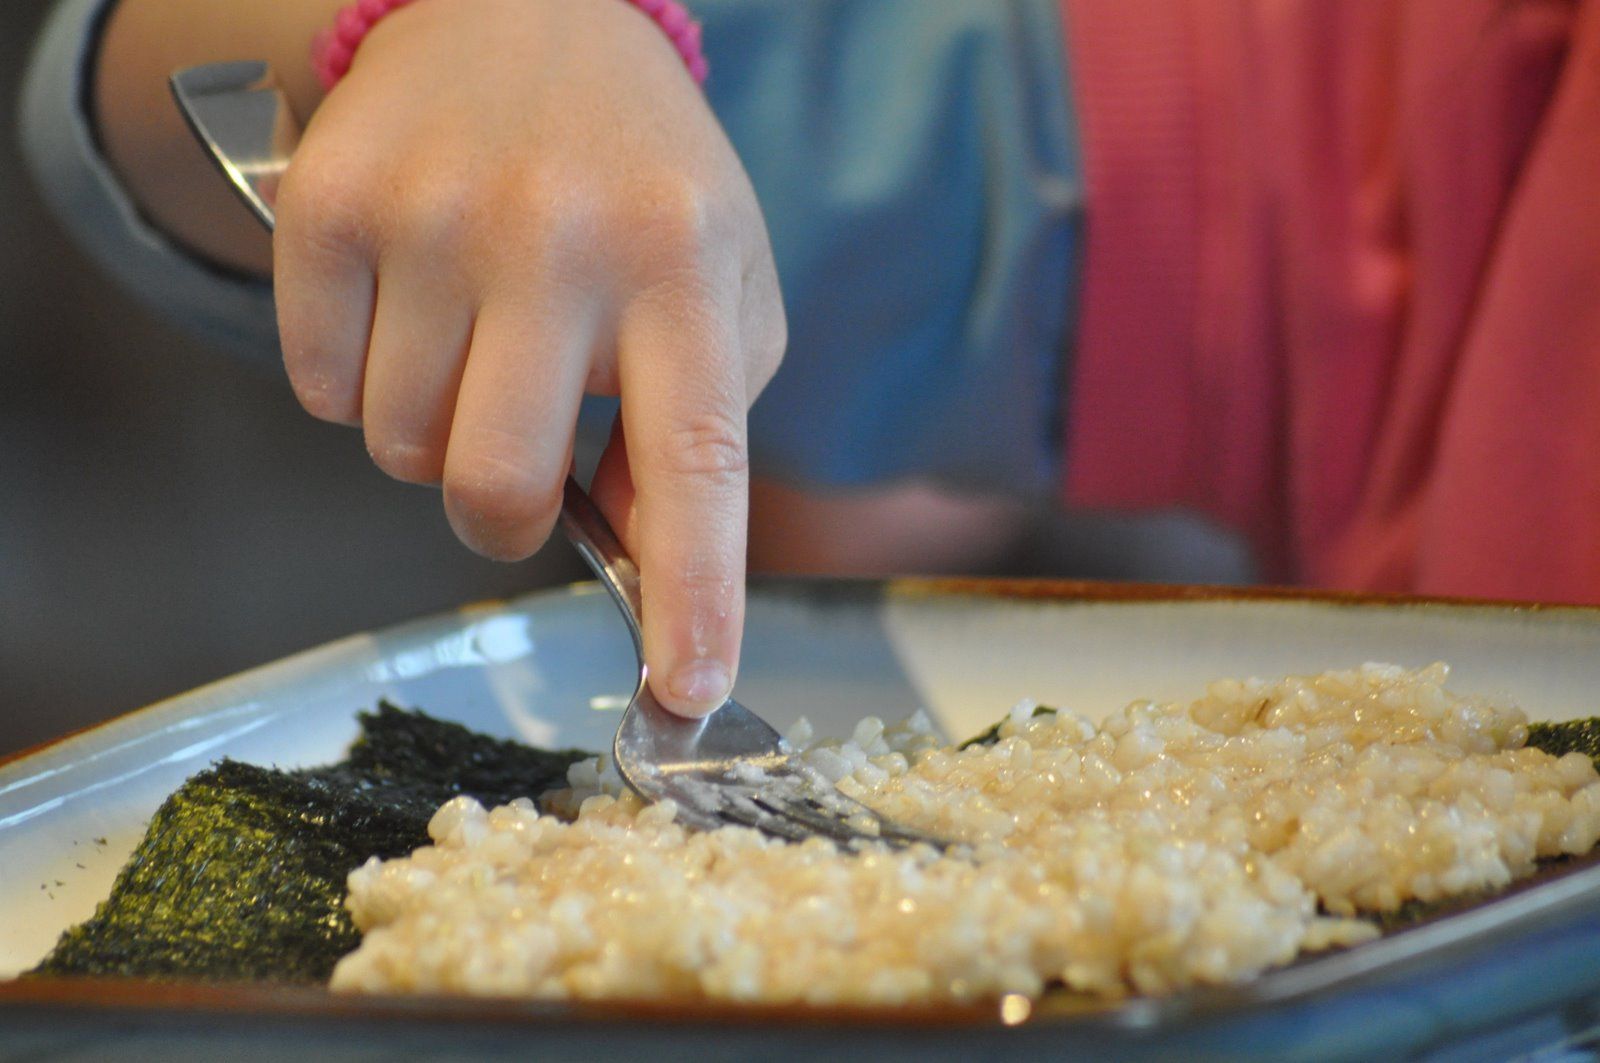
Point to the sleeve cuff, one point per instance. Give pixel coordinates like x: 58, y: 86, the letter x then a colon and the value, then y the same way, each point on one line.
x: 59, y: 144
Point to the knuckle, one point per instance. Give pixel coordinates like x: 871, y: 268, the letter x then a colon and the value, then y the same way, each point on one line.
x: 325, y: 401
x: 547, y: 193
x: 535, y: 219
x: 763, y: 325
x: 323, y: 210
x: 778, y: 345
x: 771, y: 346
x: 502, y: 507
x: 708, y: 446
x: 406, y: 461
x: 437, y: 212
x: 673, y: 217
x: 324, y: 383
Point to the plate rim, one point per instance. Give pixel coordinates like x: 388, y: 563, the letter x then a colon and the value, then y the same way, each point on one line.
x: 1532, y: 906
x: 1044, y: 590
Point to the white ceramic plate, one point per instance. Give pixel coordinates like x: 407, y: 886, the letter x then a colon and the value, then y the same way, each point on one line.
x: 554, y: 668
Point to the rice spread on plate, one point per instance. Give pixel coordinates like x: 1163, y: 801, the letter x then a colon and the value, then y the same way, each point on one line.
x: 1168, y: 846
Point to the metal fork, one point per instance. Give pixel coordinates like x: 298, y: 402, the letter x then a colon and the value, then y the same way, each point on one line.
x: 730, y: 768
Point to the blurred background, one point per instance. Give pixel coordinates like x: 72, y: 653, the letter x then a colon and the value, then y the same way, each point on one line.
x: 169, y: 516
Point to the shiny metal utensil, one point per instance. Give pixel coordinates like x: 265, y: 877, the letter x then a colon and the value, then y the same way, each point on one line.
x: 242, y: 119
x: 730, y: 768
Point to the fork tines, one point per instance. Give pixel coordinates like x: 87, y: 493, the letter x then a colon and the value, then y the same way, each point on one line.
x: 795, y: 803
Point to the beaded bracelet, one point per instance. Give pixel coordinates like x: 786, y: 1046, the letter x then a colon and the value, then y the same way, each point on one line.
x: 333, y: 48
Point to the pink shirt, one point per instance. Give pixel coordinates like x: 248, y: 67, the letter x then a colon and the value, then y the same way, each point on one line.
x: 1342, y: 283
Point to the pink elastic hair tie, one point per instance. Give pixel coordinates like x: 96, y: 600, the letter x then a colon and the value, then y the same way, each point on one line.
x: 333, y: 48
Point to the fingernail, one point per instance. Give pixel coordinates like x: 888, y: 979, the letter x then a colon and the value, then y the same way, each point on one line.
x: 701, y: 685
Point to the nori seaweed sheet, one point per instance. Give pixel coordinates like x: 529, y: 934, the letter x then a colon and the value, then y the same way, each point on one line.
x: 992, y: 735
x: 241, y: 874
x: 1569, y: 736
x: 1573, y: 736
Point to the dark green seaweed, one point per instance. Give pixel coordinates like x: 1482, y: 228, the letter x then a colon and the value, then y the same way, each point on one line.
x: 1573, y: 736
x: 1570, y: 736
x: 241, y: 874
x: 992, y: 735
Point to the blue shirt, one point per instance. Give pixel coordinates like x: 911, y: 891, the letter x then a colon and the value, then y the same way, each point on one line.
x: 918, y: 166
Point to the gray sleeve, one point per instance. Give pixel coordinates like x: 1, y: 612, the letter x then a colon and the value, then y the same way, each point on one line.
x: 58, y: 139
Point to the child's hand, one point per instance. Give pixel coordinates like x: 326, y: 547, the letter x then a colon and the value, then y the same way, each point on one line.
x: 507, y: 203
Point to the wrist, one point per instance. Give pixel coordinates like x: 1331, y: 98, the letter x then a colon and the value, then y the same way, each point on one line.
x: 144, y: 138
x: 333, y: 48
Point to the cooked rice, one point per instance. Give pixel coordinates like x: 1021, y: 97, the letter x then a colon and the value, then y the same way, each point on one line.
x: 1170, y: 845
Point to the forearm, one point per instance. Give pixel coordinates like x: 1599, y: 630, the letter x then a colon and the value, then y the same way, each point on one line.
x: 147, y: 142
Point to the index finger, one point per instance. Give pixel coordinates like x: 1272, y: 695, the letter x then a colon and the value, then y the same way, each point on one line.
x: 684, y: 413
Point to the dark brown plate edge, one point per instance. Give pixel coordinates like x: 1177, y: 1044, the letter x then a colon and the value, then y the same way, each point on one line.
x: 1435, y: 940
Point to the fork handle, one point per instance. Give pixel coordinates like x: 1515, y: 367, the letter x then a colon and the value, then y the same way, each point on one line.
x: 597, y: 544
x: 240, y: 117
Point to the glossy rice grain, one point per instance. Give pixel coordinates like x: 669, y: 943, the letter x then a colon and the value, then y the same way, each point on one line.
x: 1169, y: 846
